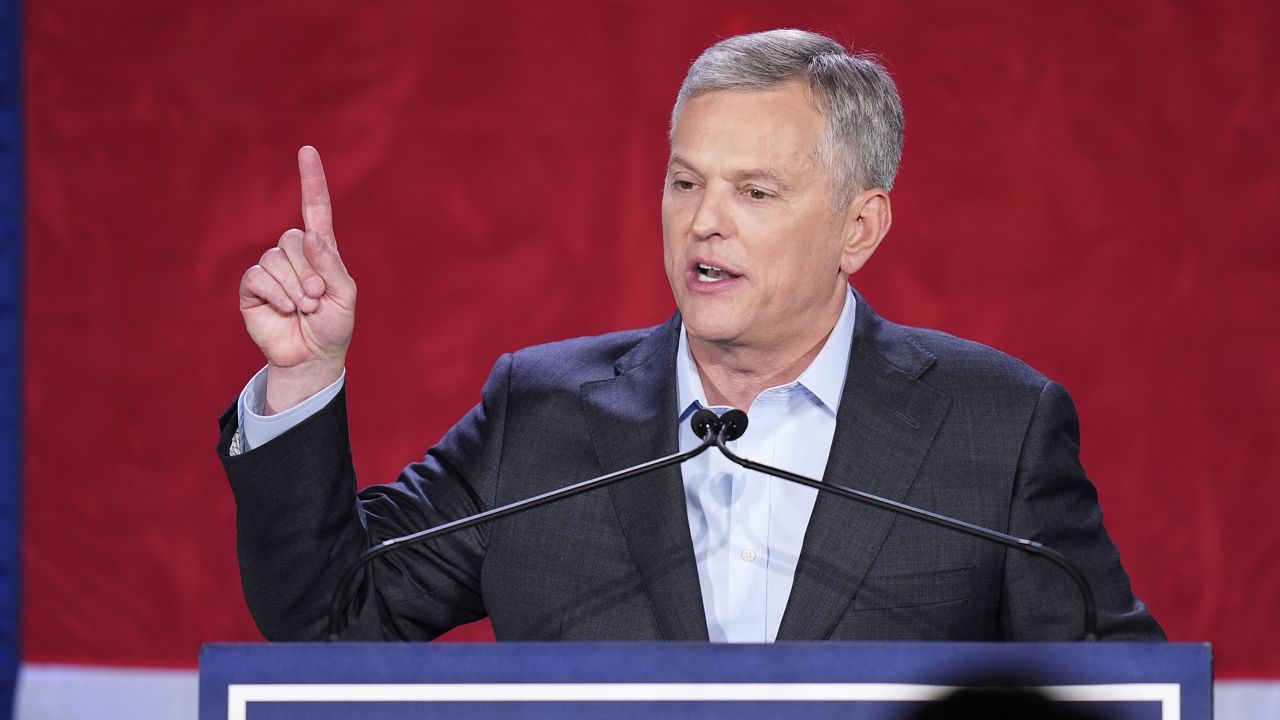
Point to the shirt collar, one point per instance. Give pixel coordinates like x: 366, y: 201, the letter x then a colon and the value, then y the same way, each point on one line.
x: 824, y: 378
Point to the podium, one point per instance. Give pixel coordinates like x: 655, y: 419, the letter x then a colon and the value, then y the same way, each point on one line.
x: 867, y: 681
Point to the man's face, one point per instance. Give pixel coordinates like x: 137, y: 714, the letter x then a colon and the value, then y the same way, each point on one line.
x: 751, y: 245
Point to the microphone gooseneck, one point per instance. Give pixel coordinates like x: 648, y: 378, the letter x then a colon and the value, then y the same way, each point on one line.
x: 714, y: 431
x: 731, y: 422
x: 705, y: 423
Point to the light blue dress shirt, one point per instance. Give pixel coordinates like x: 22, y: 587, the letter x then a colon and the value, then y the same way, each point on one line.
x: 257, y: 429
x: 747, y: 527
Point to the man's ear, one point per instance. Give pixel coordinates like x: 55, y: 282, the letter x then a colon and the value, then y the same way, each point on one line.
x: 867, y: 221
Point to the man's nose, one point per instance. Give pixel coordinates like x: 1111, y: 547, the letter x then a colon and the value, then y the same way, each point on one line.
x: 713, y: 216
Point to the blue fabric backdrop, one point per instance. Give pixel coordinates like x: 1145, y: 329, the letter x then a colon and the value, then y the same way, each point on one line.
x: 10, y: 342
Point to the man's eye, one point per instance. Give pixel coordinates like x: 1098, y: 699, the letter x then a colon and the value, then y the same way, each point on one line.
x: 682, y: 184
x: 757, y: 194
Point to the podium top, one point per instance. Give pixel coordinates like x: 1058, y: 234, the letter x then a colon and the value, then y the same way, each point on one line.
x: 1170, y: 681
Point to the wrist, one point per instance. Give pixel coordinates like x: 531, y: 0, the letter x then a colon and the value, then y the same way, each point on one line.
x: 290, y: 386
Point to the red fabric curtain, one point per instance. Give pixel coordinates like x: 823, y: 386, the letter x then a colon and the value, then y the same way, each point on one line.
x: 1089, y: 186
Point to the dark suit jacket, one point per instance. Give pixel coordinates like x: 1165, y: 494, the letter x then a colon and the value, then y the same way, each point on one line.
x: 925, y: 418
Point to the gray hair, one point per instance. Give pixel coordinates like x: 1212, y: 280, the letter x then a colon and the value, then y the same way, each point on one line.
x: 862, y: 145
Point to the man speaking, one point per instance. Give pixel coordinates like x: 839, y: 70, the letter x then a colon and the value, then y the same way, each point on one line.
x: 783, y: 150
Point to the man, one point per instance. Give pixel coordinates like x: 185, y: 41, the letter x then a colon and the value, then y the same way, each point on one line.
x: 783, y: 150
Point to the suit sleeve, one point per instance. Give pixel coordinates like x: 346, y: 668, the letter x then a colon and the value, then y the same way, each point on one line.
x: 1055, y: 504
x: 300, y: 523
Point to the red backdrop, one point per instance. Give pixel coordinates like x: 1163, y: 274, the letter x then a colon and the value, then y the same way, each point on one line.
x: 1086, y: 185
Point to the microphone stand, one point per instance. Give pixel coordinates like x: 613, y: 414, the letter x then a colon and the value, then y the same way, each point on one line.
x: 735, y: 421
x: 708, y: 428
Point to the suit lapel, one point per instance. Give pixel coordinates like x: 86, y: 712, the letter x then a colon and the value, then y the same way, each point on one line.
x: 632, y: 418
x: 885, y: 424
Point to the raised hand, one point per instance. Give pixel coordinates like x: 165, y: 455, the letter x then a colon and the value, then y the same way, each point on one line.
x: 299, y: 302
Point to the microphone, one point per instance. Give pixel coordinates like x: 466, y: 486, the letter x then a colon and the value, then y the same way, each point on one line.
x: 712, y: 429
x: 733, y: 424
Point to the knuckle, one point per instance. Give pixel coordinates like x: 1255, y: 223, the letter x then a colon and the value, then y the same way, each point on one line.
x: 291, y: 244
x: 252, y: 277
x: 279, y: 266
x: 260, y: 286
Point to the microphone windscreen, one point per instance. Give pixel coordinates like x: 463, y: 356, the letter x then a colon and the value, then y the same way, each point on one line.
x: 705, y: 422
x: 735, y: 424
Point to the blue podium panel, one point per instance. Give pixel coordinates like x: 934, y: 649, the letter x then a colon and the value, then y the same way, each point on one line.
x: 867, y: 681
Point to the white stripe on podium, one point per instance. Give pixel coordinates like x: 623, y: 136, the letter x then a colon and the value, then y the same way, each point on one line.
x: 240, y: 696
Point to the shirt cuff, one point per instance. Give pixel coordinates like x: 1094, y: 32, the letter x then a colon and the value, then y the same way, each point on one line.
x: 256, y: 429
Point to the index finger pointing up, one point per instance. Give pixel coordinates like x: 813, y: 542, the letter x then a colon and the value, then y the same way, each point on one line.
x: 317, y: 213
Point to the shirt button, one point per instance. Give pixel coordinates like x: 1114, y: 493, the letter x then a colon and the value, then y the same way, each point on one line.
x: 748, y: 555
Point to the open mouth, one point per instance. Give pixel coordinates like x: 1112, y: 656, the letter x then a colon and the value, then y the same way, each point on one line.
x: 711, y: 273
